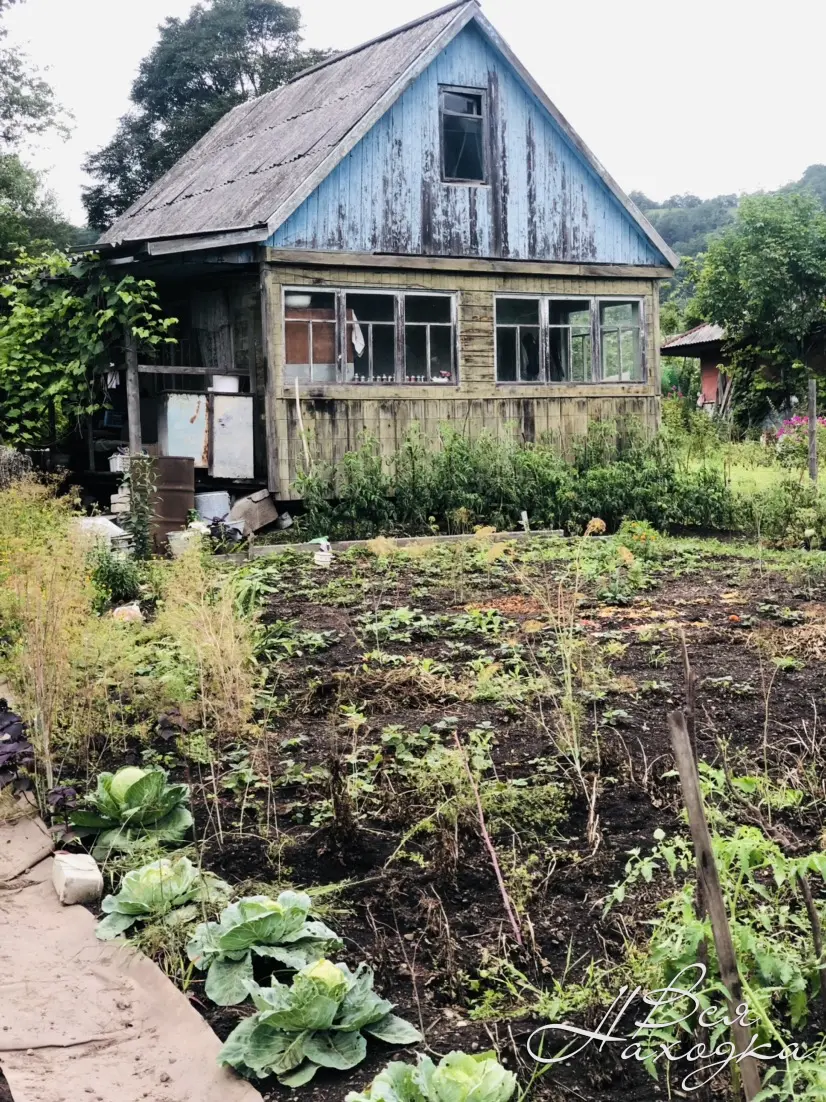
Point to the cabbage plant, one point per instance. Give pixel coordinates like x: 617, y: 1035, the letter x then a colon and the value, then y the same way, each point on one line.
x: 131, y: 805
x: 318, y: 1021
x: 167, y: 890
x: 458, y: 1077
x: 257, y: 926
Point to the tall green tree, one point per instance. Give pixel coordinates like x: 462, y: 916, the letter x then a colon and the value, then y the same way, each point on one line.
x: 27, y: 102
x: 223, y: 53
x: 764, y: 280
x: 29, y: 217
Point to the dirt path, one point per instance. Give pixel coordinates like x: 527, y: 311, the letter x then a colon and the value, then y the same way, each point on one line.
x: 83, y: 1018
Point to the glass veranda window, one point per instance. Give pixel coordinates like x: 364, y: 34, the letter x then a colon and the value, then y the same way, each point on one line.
x: 619, y: 324
x: 310, y: 337
x: 371, y: 338
x: 517, y: 340
x: 428, y: 339
x: 569, y: 345
x: 463, y: 136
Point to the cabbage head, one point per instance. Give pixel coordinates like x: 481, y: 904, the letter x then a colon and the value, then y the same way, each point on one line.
x: 262, y: 927
x: 167, y: 890
x: 318, y: 1021
x: 130, y: 806
x: 458, y: 1077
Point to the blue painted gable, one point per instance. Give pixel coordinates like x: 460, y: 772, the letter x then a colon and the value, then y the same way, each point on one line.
x: 543, y: 200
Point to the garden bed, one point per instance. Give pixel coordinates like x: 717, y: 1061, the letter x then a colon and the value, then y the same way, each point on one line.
x: 350, y: 784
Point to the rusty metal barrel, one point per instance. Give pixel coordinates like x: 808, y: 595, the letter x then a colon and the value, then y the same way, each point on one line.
x: 175, y: 497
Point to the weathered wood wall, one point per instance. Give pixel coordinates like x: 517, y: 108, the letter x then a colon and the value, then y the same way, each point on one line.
x: 541, y: 200
x: 334, y: 416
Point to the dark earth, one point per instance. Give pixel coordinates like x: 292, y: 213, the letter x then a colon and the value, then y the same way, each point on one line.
x: 433, y: 925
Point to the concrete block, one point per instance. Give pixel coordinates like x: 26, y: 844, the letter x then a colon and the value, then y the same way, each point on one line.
x: 76, y: 878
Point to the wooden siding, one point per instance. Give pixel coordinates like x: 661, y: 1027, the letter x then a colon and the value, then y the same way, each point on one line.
x: 542, y: 200
x: 335, y: 416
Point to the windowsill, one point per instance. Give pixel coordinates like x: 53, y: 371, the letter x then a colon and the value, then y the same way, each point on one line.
x: 574, y: 382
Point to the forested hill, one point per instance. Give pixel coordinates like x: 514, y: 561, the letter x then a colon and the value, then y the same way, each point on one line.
x: 686, y: 221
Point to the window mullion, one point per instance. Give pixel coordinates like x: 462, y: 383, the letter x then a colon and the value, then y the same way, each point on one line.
x: 596, y: 342
x: 400, y: 340
x: 544, y: 340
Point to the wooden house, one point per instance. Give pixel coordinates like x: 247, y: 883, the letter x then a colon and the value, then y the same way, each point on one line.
x: 704, y: 343
x: 408, y: 232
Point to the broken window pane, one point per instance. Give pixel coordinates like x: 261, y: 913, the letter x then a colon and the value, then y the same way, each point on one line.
x: 517, y: 340
x: 309, y: 337
x: 620, y: 341
x: 463, y: 144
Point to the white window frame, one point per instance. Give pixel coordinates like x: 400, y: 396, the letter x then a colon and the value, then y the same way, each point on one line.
x: 399, y: 294
x: 594, y: 303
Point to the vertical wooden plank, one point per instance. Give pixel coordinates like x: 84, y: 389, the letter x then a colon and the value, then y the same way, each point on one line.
x: 277, y: 464
x: 133, y: 393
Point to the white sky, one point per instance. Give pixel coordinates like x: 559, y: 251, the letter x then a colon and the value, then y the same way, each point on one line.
x: 710, y: 97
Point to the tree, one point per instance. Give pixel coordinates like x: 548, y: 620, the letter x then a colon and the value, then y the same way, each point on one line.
x: 223, y: 53
x: 29, y: 217
x: 61, y: 328
x: 27, y: 103
x: 764, y: 280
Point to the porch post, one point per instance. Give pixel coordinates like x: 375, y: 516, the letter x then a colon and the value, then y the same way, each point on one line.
x: 133, y: 394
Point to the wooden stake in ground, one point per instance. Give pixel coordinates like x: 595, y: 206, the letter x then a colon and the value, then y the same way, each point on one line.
x: 813, y: 428
x: 712, y: 894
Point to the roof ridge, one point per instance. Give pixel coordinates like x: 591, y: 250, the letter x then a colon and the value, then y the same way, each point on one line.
x: 379, y: 38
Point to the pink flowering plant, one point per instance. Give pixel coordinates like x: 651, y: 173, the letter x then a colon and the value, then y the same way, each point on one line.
x: 793, y: 440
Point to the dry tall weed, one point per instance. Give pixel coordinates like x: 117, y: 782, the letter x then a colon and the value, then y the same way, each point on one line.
x: 199, y: 613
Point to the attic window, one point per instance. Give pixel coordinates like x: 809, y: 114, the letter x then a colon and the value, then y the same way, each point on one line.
x: 463, y: 136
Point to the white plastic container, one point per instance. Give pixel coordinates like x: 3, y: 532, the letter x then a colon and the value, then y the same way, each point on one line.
x: 226, y: 384
x: 212, y: 505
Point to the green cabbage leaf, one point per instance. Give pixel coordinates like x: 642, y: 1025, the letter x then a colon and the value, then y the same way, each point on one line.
x: 319, y: 1020
x: 130, y: 806
x: 172, y: 891
x: 257, y: 926
x: 458, y: 1077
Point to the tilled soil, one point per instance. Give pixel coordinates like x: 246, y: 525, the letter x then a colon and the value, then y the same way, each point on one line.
x: 432, y: 926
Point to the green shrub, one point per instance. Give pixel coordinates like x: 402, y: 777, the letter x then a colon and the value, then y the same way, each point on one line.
x: 461, y: 482
x: 115, y: 577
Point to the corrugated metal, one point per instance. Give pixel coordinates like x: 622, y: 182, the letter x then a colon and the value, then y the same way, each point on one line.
x: 255, y: 157
x: 700, y: 334
x: 543, y: 202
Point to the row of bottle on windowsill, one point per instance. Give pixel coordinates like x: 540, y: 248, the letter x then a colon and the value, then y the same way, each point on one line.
x: 389, y: 379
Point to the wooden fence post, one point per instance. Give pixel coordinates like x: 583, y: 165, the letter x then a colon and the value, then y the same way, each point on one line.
x: 813, y: 428
x: 712, y: 894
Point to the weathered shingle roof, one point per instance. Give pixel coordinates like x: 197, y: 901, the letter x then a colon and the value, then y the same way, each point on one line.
x: 260, y: 161
x: 707, y: 333
x: 251, y: 161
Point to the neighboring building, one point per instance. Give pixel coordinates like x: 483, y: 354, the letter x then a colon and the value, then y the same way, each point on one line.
x: 409, y: 231
x: 703, y: 343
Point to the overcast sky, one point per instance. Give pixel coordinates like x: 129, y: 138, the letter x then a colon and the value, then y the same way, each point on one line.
x: 709, y: 97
